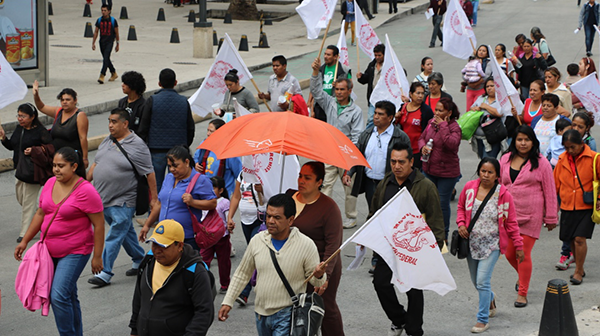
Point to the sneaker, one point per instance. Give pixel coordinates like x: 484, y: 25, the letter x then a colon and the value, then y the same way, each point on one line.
x: 242, y: 300
x: 132, y: 272
x: 571, y: 259
x: 349, y: 223
x: 223, y: 290
x: 395, y: 331
x: 563, y: 263
x: 99, y: 283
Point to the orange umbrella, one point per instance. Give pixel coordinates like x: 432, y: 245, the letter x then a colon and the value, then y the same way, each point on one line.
x: 284, y: 132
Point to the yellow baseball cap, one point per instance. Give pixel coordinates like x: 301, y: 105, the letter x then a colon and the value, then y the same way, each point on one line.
x: 167, y: 232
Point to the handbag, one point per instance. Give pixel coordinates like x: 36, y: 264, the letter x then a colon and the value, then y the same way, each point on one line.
x: 511, y: 125
x: 588, y: 196
x: 459, y: 246
x: 308, y: 309
x: 142, y: 201
x: 468, y: 123
x: 550, y: 61
x: 494, y: 129
x: 596, y: 184
x: 211, y: 229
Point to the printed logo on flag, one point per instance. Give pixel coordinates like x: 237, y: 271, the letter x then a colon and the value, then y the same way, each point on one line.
x: 391, y: 82
x: 261, y: 163
x: 591, y: 99
x: 456, y: 24
x: 409, y: 234
x: 368, y: 38
x: 215, y: 79
x: 327, y: 13
x: 259, y: 145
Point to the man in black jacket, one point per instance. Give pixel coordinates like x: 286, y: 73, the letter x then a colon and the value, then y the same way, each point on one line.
x: 173, y: 293
x: 371, y: 77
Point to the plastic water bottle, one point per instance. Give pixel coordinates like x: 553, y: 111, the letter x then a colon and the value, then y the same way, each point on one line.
x: 425, y: 157
x: 518, y: 64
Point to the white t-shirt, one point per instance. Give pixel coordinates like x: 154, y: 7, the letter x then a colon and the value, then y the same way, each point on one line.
x: 545, y: 131
x: 247, y: 207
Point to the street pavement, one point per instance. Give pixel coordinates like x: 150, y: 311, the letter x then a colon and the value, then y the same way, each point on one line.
x: 106, y: 311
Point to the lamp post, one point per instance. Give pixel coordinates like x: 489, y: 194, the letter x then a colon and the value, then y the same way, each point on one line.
x: 202, y: 23
x: 203, y: 47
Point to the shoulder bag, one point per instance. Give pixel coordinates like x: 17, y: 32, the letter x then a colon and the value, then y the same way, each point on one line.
x: 142, y: 201
x: 211, y: 229
x: 550, y: 60
x: 494, y: 128
x: 459, y: 246
x: 588, y: 196
x: 596, y: 184
x: 308, y: 309
x: 468, y: 123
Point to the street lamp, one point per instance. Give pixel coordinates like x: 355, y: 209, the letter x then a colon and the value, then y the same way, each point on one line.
x: 202, y: 23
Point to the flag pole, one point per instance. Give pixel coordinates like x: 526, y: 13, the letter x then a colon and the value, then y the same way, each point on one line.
x: 472, y: 45
x: 324, y: 38
x: 361, y: 229
x: 358, y: 54
x: 258, y: 90
x: 513, y: 105
x: 336, y: 70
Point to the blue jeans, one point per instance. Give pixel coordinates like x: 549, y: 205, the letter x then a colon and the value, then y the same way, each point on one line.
x: 589, y: 37
x: 63, y: 295
x: 159, y: 162
x: 278, y: 324
x: 436, y: 20
x: 481, y: 276
x: 370, y: 116
x: 475, y: 6
x: 444, y: 185
x: 249, y: 232
x: 121, y: 233
x: 481, y: 153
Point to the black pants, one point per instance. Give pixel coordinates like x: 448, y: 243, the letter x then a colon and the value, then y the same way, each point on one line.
x: 393, y: 5
x: 364, y: 5
x: 370, y: 186
x: 106, y: 49
x: 412, y: 318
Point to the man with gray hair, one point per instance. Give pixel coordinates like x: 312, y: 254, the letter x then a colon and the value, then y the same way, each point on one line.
x: 343, y: 114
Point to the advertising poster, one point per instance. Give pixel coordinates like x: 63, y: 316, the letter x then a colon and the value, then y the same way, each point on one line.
x: 18, y: 33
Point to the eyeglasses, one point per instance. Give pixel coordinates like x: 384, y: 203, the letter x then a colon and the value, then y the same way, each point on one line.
x: 20, y: 116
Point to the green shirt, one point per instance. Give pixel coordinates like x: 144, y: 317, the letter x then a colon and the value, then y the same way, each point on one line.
x: 328, y: 79
x: 341, y: 108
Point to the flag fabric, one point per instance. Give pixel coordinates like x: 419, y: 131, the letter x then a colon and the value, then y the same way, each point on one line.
x: 400, y: 235
x: 392, y: 83
x: 343, y: 47
x: 365, y: 35
x: 13, y: 88
x: 588, y: 92
x: 459, y: 38
x: 266, y: 168
x: 316, y: 15
x: 506, y: 93
x: 213, y: 86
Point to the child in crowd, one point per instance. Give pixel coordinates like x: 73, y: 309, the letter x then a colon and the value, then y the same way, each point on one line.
x: 472, y: 72
x: 223, y: 247
x: 556, y: 148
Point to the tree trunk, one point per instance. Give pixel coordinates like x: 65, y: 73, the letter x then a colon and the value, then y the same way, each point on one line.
x: 243, y: 10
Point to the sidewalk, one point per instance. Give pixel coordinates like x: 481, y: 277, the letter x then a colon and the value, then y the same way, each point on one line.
x: 73, y: 63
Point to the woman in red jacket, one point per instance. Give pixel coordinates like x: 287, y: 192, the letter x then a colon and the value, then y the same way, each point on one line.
x: 442, y: 166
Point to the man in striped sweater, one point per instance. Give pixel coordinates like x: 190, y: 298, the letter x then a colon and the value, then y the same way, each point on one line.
x: 298, y: 258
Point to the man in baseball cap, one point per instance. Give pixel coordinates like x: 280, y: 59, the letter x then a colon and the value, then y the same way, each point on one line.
x: 166, y: 233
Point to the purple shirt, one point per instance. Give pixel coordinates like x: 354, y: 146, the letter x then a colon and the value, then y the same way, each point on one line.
x: 172, y: 206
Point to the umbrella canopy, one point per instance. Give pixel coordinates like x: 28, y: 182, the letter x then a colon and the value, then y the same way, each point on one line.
x: 284, y: 132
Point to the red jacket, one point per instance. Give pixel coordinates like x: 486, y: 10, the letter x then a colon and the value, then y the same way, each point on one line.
x: 444, y: 161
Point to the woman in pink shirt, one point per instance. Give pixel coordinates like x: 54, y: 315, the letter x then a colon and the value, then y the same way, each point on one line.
x: 528, y: 177
x: 70, y: 238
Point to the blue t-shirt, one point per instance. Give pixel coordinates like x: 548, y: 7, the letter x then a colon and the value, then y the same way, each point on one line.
x: 278, y: 244
x: 172, y: 206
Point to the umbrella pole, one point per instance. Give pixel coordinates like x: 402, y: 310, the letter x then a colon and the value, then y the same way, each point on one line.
x: 282, y: 171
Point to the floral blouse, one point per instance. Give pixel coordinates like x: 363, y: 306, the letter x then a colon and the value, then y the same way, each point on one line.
x: 485, y: 236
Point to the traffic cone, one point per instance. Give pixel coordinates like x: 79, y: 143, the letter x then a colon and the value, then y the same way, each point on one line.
x: 50, y: 11
x: 174, y: 36
x: 161, y: 15
x: 243, y: 43
x: 87, y: 11
x: 227, y: 18
x: 124, y: 15
x: 50, y: 29
x: 220, y: 44
x: 558, y: 317
x: 88, y: 30
x: 192, y: 16
x: 215, y: 38
x: 263, y: 43
x: 131, y: 35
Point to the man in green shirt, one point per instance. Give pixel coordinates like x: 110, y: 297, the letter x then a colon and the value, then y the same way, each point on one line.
x: 328, y: 72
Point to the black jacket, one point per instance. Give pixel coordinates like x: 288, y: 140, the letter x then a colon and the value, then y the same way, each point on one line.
x: 367, y: 78
x: 174, y: 309
x: 21, y: 139
x: 359, y: 183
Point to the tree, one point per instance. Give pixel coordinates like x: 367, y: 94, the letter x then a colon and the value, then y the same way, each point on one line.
x: 243, y: 10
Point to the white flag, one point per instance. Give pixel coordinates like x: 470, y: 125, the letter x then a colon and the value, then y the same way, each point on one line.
x: 365, y: 35
x: 392, y: 83
x: 459, y: 38
x: 12, y: 86
x: 506, y: 93
x: 316, y: 15
x: 399, y: 234
x: 588, y: 92
x: 213, y: 87
x: 343, y: 47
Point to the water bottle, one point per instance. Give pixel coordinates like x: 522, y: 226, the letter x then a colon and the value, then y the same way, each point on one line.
x: 518, y: 64
x: 425, y: 157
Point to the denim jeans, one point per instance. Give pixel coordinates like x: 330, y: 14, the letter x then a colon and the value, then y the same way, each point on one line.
x: 481, y: 276
x: 278, y: 324
x: 106, y: 49
x: 475, y: 6
x: 121, y: 233
x: 371, y: 113
x: 63, y: 295
x: 444, y: 185
x: 436, y: 20
x: 249, y: 232
x: 589, y: 37
x: 481, y: 153
x: 159, y: 162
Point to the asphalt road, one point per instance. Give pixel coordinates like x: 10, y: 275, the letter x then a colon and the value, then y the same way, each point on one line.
x: 107, y: 311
